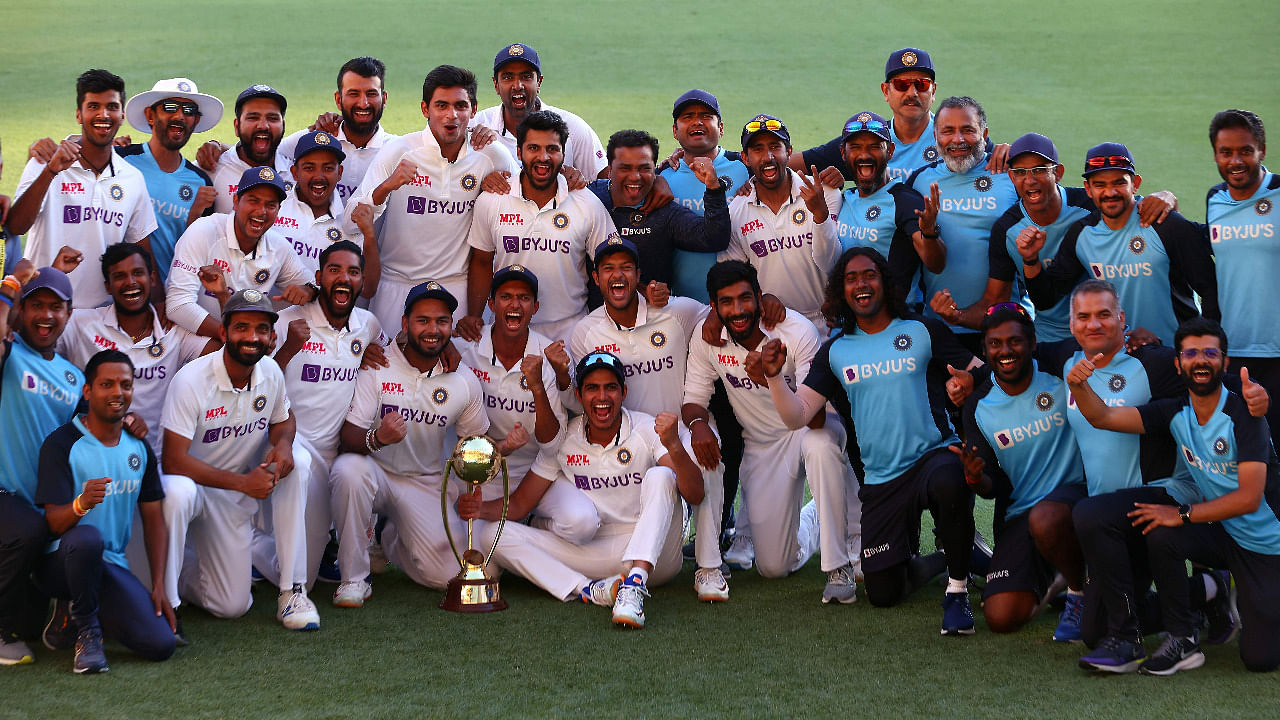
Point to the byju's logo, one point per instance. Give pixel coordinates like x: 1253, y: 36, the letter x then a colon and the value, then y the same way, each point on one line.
x: 415, y: 205
x: 511, y: 243
x: 71, y: 214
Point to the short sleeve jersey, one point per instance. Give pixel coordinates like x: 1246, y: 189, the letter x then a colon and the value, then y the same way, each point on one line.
x: 885, y: 220
x: 226, y: 177
x: 354, y: 165
x: 691, y: 268
x: 308, y: 234
x: 172, y: 194
x: 1243, y: 236
x: 36, y: 396
x: 582, y: 151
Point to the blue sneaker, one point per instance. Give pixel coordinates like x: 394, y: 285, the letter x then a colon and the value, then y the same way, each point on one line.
x: 256, y: 575
x: 60, y: 633
x: 329, y: 572
x: 957, y: 616
x: 89, y: 657
x: 1221, y: 612
x: 1068, y: 630
x: 1114, y: 655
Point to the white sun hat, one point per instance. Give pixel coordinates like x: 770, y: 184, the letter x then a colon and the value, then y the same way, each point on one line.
x: 210, y: 106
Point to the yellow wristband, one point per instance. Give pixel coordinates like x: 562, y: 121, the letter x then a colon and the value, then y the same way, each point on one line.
x: 75, y: 508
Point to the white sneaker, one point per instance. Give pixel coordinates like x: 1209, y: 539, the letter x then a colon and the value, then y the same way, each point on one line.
x: 602, y: 592
x: 841, y: 586
x: 295, y: 610
x: 628, y: 608
x: 710, y: 585
x: 741, y: 553
x: 352, y: 594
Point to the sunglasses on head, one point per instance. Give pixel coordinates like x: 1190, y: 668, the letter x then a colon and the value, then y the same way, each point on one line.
x: 1039, y: 171
x: 758, y: 125
x: 858, y: 125
x: 1106, y: 161
x: 1015, y: 307
x: 902, y: 84
x: 189, y: 109
x: 1193, y: 353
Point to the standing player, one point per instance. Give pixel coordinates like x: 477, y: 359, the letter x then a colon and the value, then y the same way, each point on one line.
x: 545, y: 227
x: 93, y: 477
x: 425, y: 185
x: 229, y: 452
x: 84, y: 198
x: 259, y: 125
x: 785, y: 226
x: 517, y: 78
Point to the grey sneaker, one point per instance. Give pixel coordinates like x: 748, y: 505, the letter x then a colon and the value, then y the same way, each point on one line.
x: 89, y: 655
x: 13, y: 651
x: 841, y: 586
x: 741, y: 553
x: 1177, y: 653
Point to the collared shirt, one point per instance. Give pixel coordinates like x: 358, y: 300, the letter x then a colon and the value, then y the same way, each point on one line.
x: 36, y: 396
x: 310, y: 235
x: 172, y: 194
x: 226, y: 177
x: 690, y: 274
x: 583, y: 151
x: 354, y: 165
x: 885, y: 221
x: 1246, y: 251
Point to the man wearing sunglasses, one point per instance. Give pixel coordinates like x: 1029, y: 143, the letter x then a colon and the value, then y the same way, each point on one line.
x: 1155, y: 269
x: 180, y: 191
x: 1231, y: 522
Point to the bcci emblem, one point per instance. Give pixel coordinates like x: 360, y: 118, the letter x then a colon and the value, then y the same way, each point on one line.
x: 259, y: 403
x: 261, y: 276
x: 930, y: 154
x: 798, y: 217
x: 1116, y: 383
x: 982, y: 184
x: 624, y: 456
x: 863, y: 117
x: 516, y: 268
x: 323, y: 138
x: 902, y: 343
x: 468, y: 182
x: 267, y: 174
x: 873, y: 212
x: 135, y: 462
x: 657, y: 339
x: 1137, y: 244
x: 253, y: 296
x: 334, y: 234
x: 156, y: 350
x: 70, y: 376
x: 356, y: 347
x: 263, y: 88
x: 516, y: 50
x: 1262, y: 207
x: 560, y: 220
x: 439, y: 396
x: 637, y: 218
x: 184, y: 86
x: 1044, y: 401
x: 433, y: 285
x: 185, y: 193
x: 908, y: 58
x: 1220, y: 446
x: 116, y: 192
x: 524, y: 383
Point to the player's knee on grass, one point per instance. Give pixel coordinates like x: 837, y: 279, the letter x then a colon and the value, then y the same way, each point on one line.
x: 772, y: 564
x: 886, y: 588
x: 155, y: 645
x: 1007, y: 612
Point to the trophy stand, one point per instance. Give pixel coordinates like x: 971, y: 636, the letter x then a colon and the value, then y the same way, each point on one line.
x: 476, y: 461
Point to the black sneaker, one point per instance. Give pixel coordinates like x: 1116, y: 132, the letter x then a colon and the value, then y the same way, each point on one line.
x: 1114, y: 655
x: 60, y: 633
x: 1177, y: 653
x: 1221, y: 612
x: 89, y: 655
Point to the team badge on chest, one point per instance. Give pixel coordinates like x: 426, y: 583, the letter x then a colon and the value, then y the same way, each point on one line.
x: 262, y: 276
x: 135, y: 462
x: 356, y: 347
x: 156, y: 350
x: 982, y: 184
x: 902, y: 343
x: 1137, y: 245
x: 560, y: 220
x: 1116, y: 383
x: 1262, y: 207
x: 439, y: 396
x: 1220, y: 446
x: 799, y: 216
x: 1044, y: 401
x: 334, y: 234
x: 468, y: 182
x: 873, y: 212
x: 930, y: 154
x: 259, y: 403
x: 185, y: 193
x: 658, y: 339
x: 624, y: 456
x: 116, y: 192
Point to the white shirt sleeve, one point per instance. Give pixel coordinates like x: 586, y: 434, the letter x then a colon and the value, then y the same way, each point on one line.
x: 292, y: 271
x: 688, y: 312
x: 545, y: 464
x: 142, y: 221
x: 473, y: 420
x: 826, y: 240
x: 804, y: 347
x: 30, y: 172
x: 501, y: 159
x: 644, y: 428
x: 363, y: 412
x: 190, y: 345
x: 481, y: 236
x: 182, y: 405
x: 602, y: 226
x: 182, y: 291
x: 384, y: 163
x: 699, y: 375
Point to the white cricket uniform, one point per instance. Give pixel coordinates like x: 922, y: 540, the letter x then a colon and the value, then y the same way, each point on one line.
x: 637, y: 501
x: 582, y: 151
x: 425, y: 223
x: 354, y: 165
x: 403, y: 481
x: 554, y: 242
x: 228, y: 429
x: 212, y: 241
x: 88, y: 212
x: 156, y: 357
x: 792, y: 253
x: 309, y: 235
x: 775, y: 459
x: 226, y: 177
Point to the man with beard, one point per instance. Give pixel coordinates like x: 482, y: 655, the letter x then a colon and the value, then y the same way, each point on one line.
x: 242, y: 247
x: 93, y: 478
x: 425, y: 185
x: 970, y: 199
x: 1021, y: 451
x: 884, y: 214
x: 545, y: 227
x: 632, y: 156
x: 887, y: 357
x: 1154, y: 268
x: 37, y: 394
x: 1231, y: 524
x: 83, y: 198
x: 393, y: 448
x: 229, y: 453
x: 361, y: 98
x: 517, y: 78
x: 259, y: 125
x: 785, y: 226
x: 635, y: 469
x: 653, y: 344
x: 180, y: 191
x: 776, y: 459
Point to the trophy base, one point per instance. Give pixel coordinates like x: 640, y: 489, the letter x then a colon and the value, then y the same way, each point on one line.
x: 472, y: 595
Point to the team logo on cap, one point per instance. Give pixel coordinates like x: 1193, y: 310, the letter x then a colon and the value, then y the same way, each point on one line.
x: 356, y: 347
x: 468, y: 182
x: 70, y: 376
x: 433, y: 285
x: 658, y: 339
x: 873, y: 212
x: 1137, y: 244
x: 930, y: 153
x: 263, y: 88
x: 909, y: 58
x: 323, y: 138
x: 1220, y: 446
x: 517, y: 268
x: 902, y: 343
x: 135, y: 462
x: 184, y: 86
x: 261, y: 276
x: 334, y: 234
x: 259, y: 403
x: 1116, y: 383
x: 560, y: 220
x: 982, y: 184
x: 1262, y: 207
x: 116, y: 192
x: 253, y: 296
x: 516, y: 50
x: 863, y: 117
x: 439, y: 396
x: 1044, y: 401
x: 799, y: 216
x: 156, y: 350
x: 637, y: 218
x: 185, y: 193
x: 267, y: 174
x: 624, y: 456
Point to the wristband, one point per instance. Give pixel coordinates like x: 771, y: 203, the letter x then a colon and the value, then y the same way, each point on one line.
x: 1184, y: 511
x: 970, y: 481
x: 691, y: 422
x: 5, y: 299
x: 75, y: 507
x: 12, y: 283
x: 370, y: 440
x: 931, y: 236
x: 1033, y: 261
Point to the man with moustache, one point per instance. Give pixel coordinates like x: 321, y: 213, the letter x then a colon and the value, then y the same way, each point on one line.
x: 545, y: 227
x: 259, y: 125
x: 84, y: 197
x: 393, y: 448
x: 425, y: 185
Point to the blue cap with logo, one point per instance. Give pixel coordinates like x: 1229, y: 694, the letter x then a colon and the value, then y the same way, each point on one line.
x: 261, y: 175
x: 318, y: 140
x: 430, y: 289
x: 1108, y: 156
x: 249, y: 300
x: 866, y: 121
x: 595, y: 361
x: 616, y: 244
x: 511, y: 273
x: 1036, y: 144
x: 259, y: 91
x: 701, y: 97
x: 48, y: 278
x: 514, y: 52
x: 908, y: 59
x: 764, y: 123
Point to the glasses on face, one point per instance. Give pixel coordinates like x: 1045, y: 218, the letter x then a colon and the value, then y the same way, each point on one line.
x: 1015, y: 307
x: 1106, y: 161
x: 1193, y: 353
x: 189, y: 109
x: 902, y: 84
x: 758, y: 125
x: 858, y: 125
x: 1038, y: 172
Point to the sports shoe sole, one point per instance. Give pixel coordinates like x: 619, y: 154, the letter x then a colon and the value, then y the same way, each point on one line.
x: 24, y: 660
x: 713, y: 597
x: 92, y: 670
x: 828, y: 599
x: 628, y: 622
x: 1116, y: 669
x: 1190, y: 662
x: 352, y: 603
x: 957, y: 631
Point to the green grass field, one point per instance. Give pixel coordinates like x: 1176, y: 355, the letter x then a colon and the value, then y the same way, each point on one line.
x: 1150, y: 76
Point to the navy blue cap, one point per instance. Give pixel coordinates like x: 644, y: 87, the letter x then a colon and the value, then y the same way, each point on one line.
x: 517, y: 273
x: 261, y: 175
x: 702, y: 97
x: 595, y: 361
x: 866, y: 121
x: 517, y: 51
x: 616, y: 244
x: 48, y: 278
x: 1036, y: 144
x: 430, y: 289
x: 1108, y: 156
x: 318, y: 140
x: 781, y: 132
x: 908, y: 59
x: 259, y: 91
x: 249, y: 300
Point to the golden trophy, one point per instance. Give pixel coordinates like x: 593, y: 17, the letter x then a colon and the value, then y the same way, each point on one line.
x: 476, y: 461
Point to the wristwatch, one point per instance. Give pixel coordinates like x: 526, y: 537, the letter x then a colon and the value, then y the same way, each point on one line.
x: 1184, y: 511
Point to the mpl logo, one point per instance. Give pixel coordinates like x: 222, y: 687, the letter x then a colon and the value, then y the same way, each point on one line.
x: 751, y: 226
x: 391, y: 388
x: 728, y: 360
x: 577, y: 459
x: 509, y: 219
x: 71, y: 214
x: 415, y: 205
x: 217, y: 412
x: 72, y: 188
